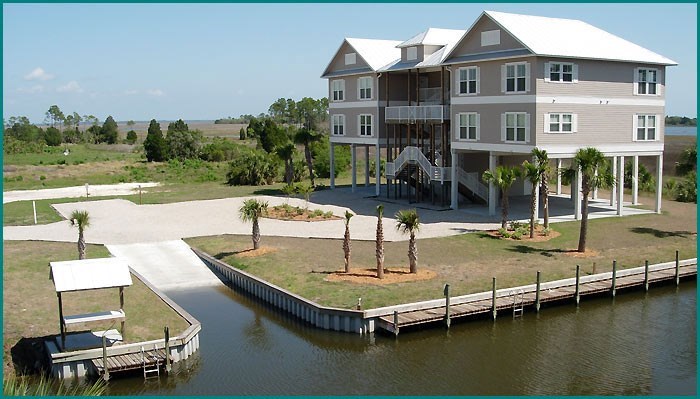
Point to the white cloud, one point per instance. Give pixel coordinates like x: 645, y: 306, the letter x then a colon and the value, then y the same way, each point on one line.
x: 130, y: 92
x: 38, y: 74
x: 155, y: 92
x: 31, y: 90
x: 70, y: 87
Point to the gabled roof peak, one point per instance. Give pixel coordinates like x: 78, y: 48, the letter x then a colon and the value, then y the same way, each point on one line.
x: 434, y: 37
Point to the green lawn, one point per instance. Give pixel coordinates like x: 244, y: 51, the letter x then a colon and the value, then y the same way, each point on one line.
x: 79, y: 154
x: 467, y: 262
x: 30, y: 308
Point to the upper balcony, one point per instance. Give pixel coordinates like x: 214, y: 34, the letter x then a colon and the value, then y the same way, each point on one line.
x: 417, y: 113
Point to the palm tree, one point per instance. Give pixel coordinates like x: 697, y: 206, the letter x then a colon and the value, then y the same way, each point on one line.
x: 532, y: 173
x: 286, y: 153
x: 306, y: 137
x: 252, y: 210
x: 542, y: 161
x: 346, y: 241
x: 504, y: 177
x: 407, y: 221
x: 380, y: 242
x: 81, y: 219
x: 587, y: 160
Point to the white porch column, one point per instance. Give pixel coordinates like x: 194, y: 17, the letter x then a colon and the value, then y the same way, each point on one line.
x: 367, y: 165
x: 620, y: 184
x: 659, y: 177
x: 558, y: 176
x: 576, y: 194
x: 332, y: 159
x: 377, y: 171
x: 353, y: 157
x: 454, y: 203
x: 614, y: 186
x: 635, y: 180
x: 492, y: 187
x: 595, y: 189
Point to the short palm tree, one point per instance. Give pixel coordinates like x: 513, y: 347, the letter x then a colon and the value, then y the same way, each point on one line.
x: 346, y: 241
x: 286, y: 153
x: 504, y: 176
x: 80, y: 219
x: 306, y: 137
x: 251, y: 211
x: 587, y: 160
x: 532, y: 173
x: 407, y: 222
x: 542, y: 161
x: 380, y: 242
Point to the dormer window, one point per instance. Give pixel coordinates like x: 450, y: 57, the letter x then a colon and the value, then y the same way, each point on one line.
x: 350, y: 58
x: 412, y: 53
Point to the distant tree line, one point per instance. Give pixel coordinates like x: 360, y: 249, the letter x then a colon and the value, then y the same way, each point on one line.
x: 681, y: 121
x: 288, y: 111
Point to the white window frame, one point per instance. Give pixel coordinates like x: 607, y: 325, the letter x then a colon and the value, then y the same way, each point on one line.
x: 646, y: 83
x: 338, y: 120
x: 477, y: 80
x: 350, y: 58
x: 476, y: 124
x: 548, y: 72
x: 412, y: 53
x: 646, y: 127
x: 516, y: 77
x: 337, y: 86
x: 362, y: 127
x: 560, y: 122
x: 517, y: 116
x: 363, y: 85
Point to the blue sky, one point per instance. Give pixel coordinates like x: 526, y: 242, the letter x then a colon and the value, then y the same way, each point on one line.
x: 191, y: 61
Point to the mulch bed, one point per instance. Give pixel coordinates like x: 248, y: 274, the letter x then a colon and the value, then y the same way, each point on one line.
x: 392, y: 275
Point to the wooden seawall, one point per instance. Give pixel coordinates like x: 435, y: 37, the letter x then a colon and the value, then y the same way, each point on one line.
x: 517, y: 299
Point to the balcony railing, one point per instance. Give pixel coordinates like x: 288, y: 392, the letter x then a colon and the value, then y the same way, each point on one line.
x: 416, y: 113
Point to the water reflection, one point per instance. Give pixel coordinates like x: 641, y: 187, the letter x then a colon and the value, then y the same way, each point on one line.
x: 636, y: 344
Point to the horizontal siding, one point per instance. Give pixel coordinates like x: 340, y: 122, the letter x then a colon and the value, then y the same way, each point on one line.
x: 472, y: 43
x: 490, y: 76
x: 352, y: 128
x: 490, y: 123
x: 351, y: 92
x: 597, y: 79
x: 597, y: 124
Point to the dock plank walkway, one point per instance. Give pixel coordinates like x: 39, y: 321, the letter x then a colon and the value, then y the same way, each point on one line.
x: 130, y: 361
x: 514, y: 300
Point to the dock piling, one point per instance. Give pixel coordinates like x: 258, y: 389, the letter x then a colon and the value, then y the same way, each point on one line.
x: 646, y: 275
x: 578, y: 279
x: 447, y: 305
x: 166, y: 331
x: 493, y: 300
x: 678, y: 264
x: 537, y: 293
x: 614, y: 275
x: 105, y: 376
x: 396, y: 323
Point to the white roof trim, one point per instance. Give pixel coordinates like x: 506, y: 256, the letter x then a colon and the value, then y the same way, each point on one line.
x: 90, y: 274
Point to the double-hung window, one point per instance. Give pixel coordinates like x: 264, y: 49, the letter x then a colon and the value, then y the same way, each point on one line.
x: 338, y: 90
x: 468, y: 80
x: 646, y: 80
x: 560, y: 72
x: 515, y: 127
x: 364, y: 87
x: 365, y: 123
x: 468, y: 126
x: 560, y: 123
x: 646, y: 127
x: 515, y: 78
x: 338, y: 125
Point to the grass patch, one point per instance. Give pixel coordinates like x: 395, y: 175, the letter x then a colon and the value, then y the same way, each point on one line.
x: 79, y: 154
x: 31, y: 310
x: 467, y: 262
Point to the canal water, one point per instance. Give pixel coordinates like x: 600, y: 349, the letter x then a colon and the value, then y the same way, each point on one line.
x: 637, y: 344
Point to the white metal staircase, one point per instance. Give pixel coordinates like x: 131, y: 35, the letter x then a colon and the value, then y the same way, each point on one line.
x: 413, y: 155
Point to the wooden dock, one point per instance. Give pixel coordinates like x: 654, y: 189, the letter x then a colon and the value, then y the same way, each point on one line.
x: 518, y: 299
x: 131, y: 361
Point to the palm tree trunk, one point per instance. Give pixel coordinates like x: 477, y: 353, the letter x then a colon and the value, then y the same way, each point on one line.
x: 346, y: 248
x: 307, y: 153
x: 256, y: 234
x: 504, y: 209
x: 81, y: 245
x: 533, y: 205
x: 544, y: 193
x: 288, y: 171
x: 412, y: 254
x: 380, y: 249
x: 584, y: 217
